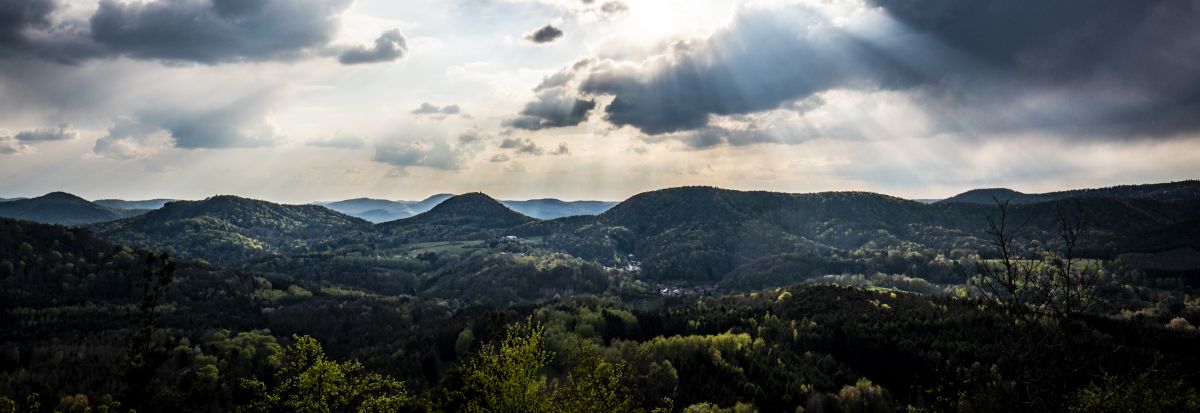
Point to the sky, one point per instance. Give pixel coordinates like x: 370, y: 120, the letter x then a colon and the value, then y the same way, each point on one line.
x: 308, y: 100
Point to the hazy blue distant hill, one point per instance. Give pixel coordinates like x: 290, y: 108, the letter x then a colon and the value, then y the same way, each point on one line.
x: 427, y: 203
x: 61, y: 208
x: 382, y: 210
x: 383, y: 214
x: 228, y: 228
x: 552, y: 208
x: 143, y: 204
x: 359, y: 205
x: 374, y: 210
x: 1167, y: 192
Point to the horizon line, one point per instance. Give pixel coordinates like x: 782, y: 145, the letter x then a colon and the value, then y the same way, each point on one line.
x: 318, y: 202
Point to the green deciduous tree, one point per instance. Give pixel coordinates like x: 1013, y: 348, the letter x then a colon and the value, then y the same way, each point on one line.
x: 505, y: 376
x: 595, y: 385
x: 1148, y: 392
x: 307, y: 381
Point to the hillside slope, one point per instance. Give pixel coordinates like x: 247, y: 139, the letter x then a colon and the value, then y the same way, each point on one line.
x: 701, y: 234
x: 229, y: 228
x: 468, y: 216
x: 1166, y: 192
x: 61, y: 208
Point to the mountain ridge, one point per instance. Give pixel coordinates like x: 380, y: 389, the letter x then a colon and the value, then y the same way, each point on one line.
x: 1185, y: 190
x: 229, y: 228
x: 61, y: 208
x: 134, y: 204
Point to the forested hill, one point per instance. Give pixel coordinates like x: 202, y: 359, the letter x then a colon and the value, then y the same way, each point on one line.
x: 61, y: 208
x: 1168, y: 192
x: 461, y: 217
x: 717, y: 235
x: 695, y: 234
x: 229, y: 228
x: 659, y: 210
x: 473, y: 209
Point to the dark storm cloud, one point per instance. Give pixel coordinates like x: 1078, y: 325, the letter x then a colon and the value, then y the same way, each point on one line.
x: 766, y: 59
x: 62, y: 133
x: 556, y: 105
x: 546, y: 34
x: 216, y: 30
x: 1074, y: 68
x: 28, y: 29
x: 1132, y: 64
x: 202, y: 31
x: 388, y: 47
x: 16, y: 16
x: 551, y: 110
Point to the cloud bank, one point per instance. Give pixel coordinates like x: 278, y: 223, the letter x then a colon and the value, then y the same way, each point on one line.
x: 22, y: 142
x: 1105, y: 69
x: 193, y: 31
x: 243, y: 123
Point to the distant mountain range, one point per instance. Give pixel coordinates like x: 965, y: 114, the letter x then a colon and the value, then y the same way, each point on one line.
x: 699, y: 234
x: 123, y: 204
x: 55, y: 209
x: 46, y: 210
x: 692, y: 234
x: 382, y: 210
x: 550, y: 208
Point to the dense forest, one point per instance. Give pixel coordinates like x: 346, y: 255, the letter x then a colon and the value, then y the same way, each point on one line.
x: 688, y: 299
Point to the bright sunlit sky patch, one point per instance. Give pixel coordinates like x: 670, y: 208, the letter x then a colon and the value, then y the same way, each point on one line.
x: 306, y: 100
